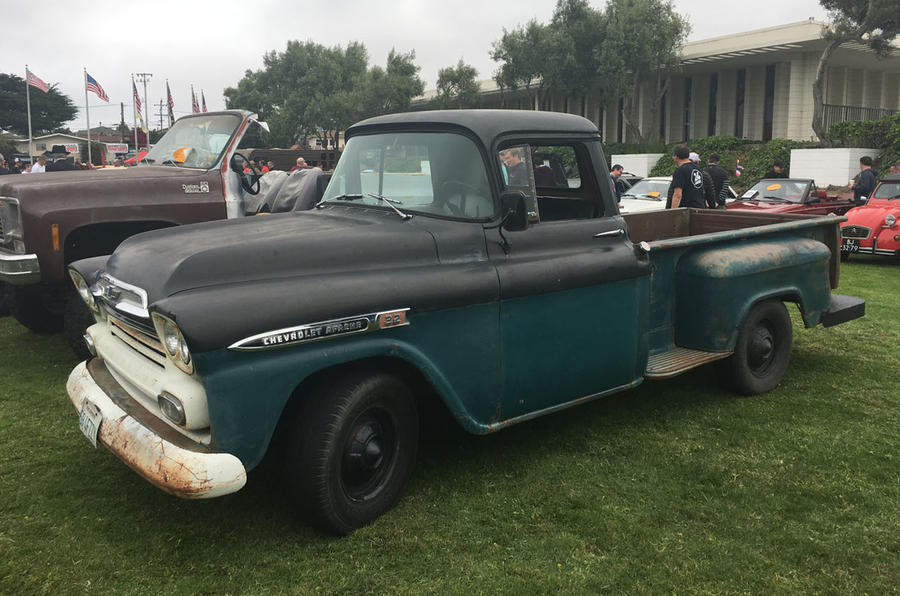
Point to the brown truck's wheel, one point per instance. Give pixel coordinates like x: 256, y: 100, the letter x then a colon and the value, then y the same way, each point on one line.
x: 39, y: 307
x: 762, y: 352
x: 76, y: 319
x: 4, y: 309
x: 352, y: 450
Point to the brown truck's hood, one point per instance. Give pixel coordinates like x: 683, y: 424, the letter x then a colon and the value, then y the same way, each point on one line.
x: 38, y: 193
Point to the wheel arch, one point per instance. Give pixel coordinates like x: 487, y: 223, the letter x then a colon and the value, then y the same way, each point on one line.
x: 97, y: 239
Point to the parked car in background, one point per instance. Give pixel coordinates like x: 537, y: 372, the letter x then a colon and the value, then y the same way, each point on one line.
x: 874, y: 228
x: 649, y: 194
x: 790, y: 195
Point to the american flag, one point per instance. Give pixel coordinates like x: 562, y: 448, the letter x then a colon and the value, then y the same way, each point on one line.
x: 35, y: 81
x: 195, y: 107
x: 203, y: 97
x: 92, y: 85
x: 137, y: 98
x: 171, y: 104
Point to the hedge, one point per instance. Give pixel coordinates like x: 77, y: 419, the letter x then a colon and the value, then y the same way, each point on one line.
x: 882, y: 134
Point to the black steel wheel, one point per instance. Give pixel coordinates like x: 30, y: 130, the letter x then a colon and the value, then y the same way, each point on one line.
x: 762, y: 352
x: 38, y: 307
x: 352, y: 450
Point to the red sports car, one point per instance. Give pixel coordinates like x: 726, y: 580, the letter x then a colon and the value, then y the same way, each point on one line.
x: 790, y: 195
x: 874, y: 228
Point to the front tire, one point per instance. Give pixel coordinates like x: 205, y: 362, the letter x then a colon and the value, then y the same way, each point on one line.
x: 352, y: 450
x: 762, y: 352
x: 38, y: 307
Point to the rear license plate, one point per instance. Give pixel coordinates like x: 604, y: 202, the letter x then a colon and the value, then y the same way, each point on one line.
x: 89, y: 421
x: 850, y: 245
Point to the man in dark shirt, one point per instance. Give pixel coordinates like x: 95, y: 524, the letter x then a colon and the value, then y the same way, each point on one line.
x: 614, y: 175
x: 3, y: 168
x: 865, y: 184
x: 720, y: 181
x: 687, y: 182
x: 777, y: 171
x: 515, y: 167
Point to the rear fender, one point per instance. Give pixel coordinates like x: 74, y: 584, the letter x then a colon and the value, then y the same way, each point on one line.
x: 717, y: 287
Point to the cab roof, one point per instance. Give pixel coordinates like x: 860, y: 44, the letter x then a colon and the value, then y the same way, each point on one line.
x: 487, y: 125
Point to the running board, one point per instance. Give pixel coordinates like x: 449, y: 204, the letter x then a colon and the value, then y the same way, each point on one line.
x: 679, y: 360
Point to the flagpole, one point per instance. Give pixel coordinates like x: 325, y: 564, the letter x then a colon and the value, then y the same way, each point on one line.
x: 28, y: 104
x: 134, y: 113
x: 87, y: 113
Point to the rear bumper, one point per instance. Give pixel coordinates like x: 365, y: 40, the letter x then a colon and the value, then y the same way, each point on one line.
x: 148, y: 445
x: 19, y: 269
x: 843, y: 309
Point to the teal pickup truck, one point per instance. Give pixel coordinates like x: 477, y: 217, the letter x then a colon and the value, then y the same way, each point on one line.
x: 474, y: 259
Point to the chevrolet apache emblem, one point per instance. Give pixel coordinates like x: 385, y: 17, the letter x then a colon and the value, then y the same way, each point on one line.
x: 300, y: 334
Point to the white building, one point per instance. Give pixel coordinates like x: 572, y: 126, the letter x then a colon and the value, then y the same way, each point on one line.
x: 756, y: 85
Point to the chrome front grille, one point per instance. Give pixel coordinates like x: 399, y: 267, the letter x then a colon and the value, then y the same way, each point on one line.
x: 856, y: 232
x: 146, y: 345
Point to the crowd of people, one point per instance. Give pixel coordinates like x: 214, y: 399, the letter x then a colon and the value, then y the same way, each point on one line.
x: 41, y: 164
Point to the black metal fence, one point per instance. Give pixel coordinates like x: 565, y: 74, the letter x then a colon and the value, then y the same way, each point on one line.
x: 835, y: 113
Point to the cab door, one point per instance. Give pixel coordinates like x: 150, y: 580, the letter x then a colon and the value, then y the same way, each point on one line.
x: 573, y: 291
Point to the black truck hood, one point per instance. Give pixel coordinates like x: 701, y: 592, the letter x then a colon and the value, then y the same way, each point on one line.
x: 270, y: 247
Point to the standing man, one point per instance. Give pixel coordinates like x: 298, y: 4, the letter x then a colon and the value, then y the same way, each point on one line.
x: 515, y: 167
x: 301, y: 163
x: 709, y: 191
x: 3, y: 168
x: 687, y: 182
x: 41, y: 165
x: 720, y: 181
x: 614, y: 174
x: 865, y: 184
x: 777, y: 170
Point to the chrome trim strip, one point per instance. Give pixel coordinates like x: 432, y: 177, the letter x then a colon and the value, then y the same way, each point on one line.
x: 19, y: 269
x: 312, y: 332
x: 140, y: 292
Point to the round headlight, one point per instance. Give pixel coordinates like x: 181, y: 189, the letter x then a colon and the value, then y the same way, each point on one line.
x: 183, y: 352
x: 890, y: 220
x: 84, y: 290
x: 171, y: 337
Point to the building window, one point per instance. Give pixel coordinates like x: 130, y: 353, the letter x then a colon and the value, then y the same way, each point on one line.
x: 620, y: 113
x: 688, y: 88
x: 769, y: 103
x: 739, y: 103
x: 713, y: 104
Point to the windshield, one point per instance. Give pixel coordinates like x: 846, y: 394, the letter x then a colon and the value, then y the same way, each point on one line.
x: 430, y: 173
x: 655, y: 190
x: 887, y: 190
x: 790, y: 191
x: 194, y: 142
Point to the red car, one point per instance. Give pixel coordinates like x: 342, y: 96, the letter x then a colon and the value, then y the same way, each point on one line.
x: 790, y: 195
x: 873, y: 228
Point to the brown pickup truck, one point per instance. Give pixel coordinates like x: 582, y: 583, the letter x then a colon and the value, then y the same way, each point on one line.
x: 194, y: 173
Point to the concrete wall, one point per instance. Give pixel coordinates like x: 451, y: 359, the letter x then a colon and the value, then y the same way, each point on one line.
x: 834, y: 167
x: 637, y: 163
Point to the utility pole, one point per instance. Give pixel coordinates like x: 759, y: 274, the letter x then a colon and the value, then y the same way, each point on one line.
x: 122, y: 123
x: 161, y: 105
x: 144, y: 77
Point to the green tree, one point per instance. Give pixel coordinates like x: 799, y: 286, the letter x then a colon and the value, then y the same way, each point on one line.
x: 874, y: 23
x: 457, y: 86
x: 391, y: 89
x: 48, y: 110
x: 641, y: 45
x: 523, y: 54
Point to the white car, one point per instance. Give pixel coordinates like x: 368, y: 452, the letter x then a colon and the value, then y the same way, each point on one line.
x: 650, y: 194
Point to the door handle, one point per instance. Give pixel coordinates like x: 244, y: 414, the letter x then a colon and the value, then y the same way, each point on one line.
x: 619, y: 232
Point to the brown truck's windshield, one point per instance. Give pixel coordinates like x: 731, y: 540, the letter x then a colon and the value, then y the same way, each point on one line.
x: 194, y: 142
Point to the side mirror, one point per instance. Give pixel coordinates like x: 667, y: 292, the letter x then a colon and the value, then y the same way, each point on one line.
x: 515, y: 212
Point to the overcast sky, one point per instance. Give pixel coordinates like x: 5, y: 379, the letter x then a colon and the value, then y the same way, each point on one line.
x: 210, y: 45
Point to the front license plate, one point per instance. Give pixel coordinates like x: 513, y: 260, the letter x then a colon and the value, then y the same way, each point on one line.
x: 850, y: 245
x: 89, y: 421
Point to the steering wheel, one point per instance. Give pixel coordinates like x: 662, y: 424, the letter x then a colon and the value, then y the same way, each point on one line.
x: 465, y: 190
x: 249, y: 182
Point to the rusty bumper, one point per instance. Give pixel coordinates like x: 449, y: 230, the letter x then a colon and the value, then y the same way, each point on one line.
x: 157, y: 452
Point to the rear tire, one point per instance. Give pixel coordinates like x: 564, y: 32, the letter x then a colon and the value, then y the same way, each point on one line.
x: 38, y: 307
x: 762, y: 352
x: 77, y: 318
x: 352, y: 450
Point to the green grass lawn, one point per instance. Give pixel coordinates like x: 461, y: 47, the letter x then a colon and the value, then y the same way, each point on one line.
x: 675, y: 486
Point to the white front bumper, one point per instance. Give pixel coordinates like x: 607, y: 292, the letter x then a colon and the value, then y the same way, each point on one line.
x: 176, y: 469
